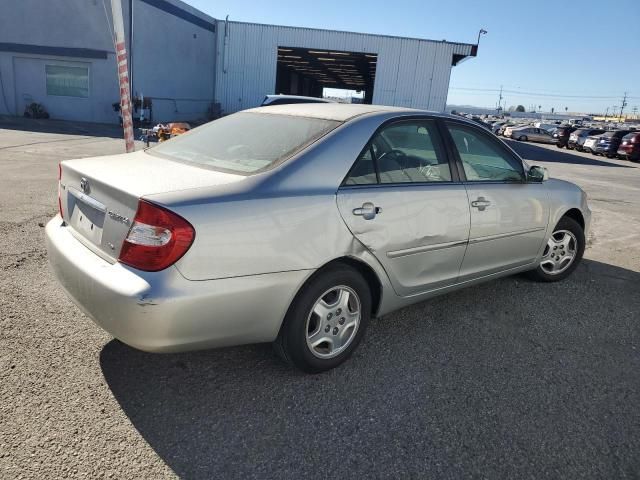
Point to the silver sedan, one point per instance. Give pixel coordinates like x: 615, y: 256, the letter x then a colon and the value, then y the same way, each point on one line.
x: 533, y: 134
x: 297, y: 224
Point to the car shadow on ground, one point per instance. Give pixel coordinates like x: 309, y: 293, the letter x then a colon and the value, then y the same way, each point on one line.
x: 507, y: 379
x: 534, y: 152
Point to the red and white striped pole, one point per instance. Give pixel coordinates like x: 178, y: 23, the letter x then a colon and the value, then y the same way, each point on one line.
x: 123, y: 74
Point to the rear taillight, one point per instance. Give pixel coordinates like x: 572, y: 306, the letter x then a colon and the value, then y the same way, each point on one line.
x: 157, y: 239
x: 59, y: 189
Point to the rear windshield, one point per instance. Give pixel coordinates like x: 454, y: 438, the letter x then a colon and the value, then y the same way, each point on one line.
x: 245, y: 143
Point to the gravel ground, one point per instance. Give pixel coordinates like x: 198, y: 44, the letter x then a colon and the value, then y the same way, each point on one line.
x: 510, y: 379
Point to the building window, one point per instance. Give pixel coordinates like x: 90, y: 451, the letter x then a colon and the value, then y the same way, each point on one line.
x: 67, y: 81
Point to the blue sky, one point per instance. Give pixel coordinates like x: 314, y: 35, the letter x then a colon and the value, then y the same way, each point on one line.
x: 577, y: 49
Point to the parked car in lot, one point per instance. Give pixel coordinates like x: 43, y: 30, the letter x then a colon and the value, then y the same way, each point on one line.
x: 532, y: 134
x: 609, y: 142
x: 577, y: 138
x: 505, y: 127
x: 506, y: 132
x: 590, y: 142
x: 324, y: 216
x: 561, y: 135
x: 495, y: 127
x: 629, y: 148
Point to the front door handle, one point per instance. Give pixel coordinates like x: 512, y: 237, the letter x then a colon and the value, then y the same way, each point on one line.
x: 368, y: 211
x: 481, y: 203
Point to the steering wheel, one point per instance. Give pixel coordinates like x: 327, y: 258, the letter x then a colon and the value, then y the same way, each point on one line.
x: 397, y: 154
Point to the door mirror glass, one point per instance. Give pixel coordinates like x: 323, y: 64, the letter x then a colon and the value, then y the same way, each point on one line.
x: 537, y: 174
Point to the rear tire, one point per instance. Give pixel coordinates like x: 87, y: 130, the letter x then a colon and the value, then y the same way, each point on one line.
x: 567, y: 239
x: 326, y: 321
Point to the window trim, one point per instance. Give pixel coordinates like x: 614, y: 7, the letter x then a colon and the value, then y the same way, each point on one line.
x: 455, y: 176
x: 496, y: 141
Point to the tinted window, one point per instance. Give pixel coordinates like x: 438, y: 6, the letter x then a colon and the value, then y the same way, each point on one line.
x: 407, y: 152
x: 482, y: 158
x: 244, y: 142
x: 363, y: 171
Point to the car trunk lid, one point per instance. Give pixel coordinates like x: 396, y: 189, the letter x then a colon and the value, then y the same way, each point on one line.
x: 99, y: 196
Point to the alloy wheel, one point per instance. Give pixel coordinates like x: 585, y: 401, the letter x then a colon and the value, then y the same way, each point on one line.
x: 333, y: 322
x: 559, y: 253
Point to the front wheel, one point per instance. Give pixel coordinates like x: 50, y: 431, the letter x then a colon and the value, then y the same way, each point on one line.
x: 562, y: 253
x: 326, y: 321
x: 522, y: 138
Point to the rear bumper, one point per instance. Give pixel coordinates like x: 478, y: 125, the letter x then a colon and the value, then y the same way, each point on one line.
x: 605, y: 149
x: 162, y: 311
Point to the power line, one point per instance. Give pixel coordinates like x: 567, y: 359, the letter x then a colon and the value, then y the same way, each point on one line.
x: 536, y: 94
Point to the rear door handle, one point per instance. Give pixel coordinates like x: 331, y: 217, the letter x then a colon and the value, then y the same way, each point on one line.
x: 481, y: 203
x: 368, y: 211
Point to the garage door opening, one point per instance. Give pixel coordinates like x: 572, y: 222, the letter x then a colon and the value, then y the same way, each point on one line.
x: 309, y: 72
x: 343, y: 95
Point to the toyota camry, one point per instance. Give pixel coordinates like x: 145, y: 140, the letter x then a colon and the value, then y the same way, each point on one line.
x: 296, y: 224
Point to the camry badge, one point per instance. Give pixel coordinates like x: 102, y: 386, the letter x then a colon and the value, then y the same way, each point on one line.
x: 119, y: 218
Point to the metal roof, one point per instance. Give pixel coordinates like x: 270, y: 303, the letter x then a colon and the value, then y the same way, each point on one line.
x: 397, y: 37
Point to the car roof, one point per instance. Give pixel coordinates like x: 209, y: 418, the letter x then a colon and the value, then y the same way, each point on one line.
x: 340, y: 112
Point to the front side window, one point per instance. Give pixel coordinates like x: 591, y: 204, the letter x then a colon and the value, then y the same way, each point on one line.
x: 67, y: 81
x: 245, y: 142
x: 405, y: 152
x: 482, y: 158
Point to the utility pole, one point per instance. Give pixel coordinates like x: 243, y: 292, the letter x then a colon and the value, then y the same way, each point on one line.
x: 623, y: 104
x: 499, y: 96
x: 123, y: 75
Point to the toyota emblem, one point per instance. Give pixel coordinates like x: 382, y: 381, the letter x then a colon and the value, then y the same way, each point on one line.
x: 84, y: 185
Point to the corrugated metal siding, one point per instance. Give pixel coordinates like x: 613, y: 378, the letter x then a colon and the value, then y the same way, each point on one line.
x: 410, y: 72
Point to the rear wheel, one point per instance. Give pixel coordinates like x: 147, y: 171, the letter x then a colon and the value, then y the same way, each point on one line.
x: 326, y: 321
x: 562, y: 253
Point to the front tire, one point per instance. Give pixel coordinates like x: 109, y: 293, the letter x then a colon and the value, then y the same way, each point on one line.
x: 326, y: 321
x: 562, y: 254
x: 523, y: 138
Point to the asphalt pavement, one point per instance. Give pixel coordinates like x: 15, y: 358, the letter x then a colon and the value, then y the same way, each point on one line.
x: 510, y: 379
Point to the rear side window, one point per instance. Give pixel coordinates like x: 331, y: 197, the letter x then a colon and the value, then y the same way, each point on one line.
x: 404, y: 152
x: 482, y: 158
x: 245, y: 143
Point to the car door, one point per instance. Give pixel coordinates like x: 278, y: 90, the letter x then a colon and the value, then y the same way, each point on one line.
x: 403, y: 201
x: 509, y: 215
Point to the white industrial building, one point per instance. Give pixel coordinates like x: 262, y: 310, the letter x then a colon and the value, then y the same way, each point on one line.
x: 191, y: 66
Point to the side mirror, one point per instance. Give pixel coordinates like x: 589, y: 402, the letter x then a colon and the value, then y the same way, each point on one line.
x: 537, y: 174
